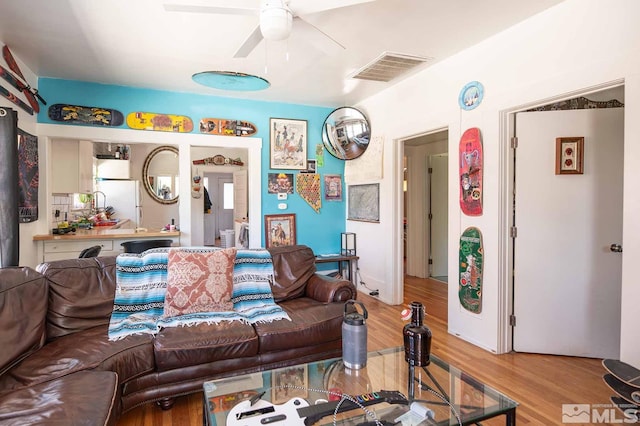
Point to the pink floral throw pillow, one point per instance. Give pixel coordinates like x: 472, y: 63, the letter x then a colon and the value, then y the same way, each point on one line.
x: 199, y: 281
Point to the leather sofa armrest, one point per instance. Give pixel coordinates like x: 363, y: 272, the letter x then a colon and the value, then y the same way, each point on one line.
x: 329, y: 289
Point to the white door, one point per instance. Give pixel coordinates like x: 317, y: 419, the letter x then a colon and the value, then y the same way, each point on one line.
x: 240, y: 204
x: 439, y: 214
x: 567, y: 281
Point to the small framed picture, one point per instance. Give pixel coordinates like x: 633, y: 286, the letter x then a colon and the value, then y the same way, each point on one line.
x: 280, y: 230
x: 333, y: 187
x: 290, y: 382
x: 569, y: 156
x: 280, y: 183
x: 288, y: 141
x: 311, y: 167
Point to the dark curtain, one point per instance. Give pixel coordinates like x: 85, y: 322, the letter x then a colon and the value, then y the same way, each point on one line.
x: 9, y: 223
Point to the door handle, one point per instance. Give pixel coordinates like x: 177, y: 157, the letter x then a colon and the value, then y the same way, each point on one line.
x: 616, y: 248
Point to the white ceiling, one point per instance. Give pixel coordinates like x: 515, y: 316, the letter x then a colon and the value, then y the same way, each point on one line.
x: 138, y: 43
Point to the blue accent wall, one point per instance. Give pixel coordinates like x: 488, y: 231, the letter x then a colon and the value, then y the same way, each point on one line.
x: 320, y: 231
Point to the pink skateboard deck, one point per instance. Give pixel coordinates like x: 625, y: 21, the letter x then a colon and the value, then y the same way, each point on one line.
x: 471, y: 172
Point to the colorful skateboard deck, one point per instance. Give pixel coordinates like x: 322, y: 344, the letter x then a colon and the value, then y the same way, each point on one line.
x: 470, y: 280
x: 629, y: 410
x: 225, y: 127
x: 159, y: 122
x: 92, y: 116
x: 629, y: 393
x: 471, y: 172
x: 13, y: 98
x: 623, y: 372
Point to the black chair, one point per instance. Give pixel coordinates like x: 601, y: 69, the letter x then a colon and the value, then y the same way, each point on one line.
x: 90, y: 252
x: 138, y: 246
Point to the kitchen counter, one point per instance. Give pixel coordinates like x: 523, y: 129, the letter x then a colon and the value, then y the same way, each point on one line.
x: 109, y: 238
x: 109, y: 233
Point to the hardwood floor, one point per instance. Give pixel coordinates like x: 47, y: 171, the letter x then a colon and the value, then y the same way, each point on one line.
x: 540, y: 383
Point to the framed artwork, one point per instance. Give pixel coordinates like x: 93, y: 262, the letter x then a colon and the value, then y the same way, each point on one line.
x: 288, y: 141
x: 333, y: 187
x: 280, y: 230
x: 364, y: 202
x: 280, y: 183
x: 284, y: 380
x: 311, y: 167
x: 569, y: 156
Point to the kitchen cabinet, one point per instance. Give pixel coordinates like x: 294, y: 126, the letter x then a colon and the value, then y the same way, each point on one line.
x: 58, y: 247
x: 71, y: 167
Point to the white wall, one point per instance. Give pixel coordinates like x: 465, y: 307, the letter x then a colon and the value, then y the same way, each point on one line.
x: 568, y: 49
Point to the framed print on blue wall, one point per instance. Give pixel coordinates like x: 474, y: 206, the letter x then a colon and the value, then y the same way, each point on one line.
x: 288, y: 141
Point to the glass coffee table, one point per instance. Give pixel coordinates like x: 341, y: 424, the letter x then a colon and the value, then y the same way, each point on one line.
x: 443, y: 393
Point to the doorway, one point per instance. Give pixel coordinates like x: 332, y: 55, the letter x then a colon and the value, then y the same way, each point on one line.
x: 425, y: 213
x: 219, y: 217
x: 565, y: 277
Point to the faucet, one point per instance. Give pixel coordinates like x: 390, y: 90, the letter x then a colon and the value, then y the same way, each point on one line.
x: 95, y: 200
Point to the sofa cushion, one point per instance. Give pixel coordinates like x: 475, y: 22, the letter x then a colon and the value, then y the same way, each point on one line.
x: 23, y: 310
x: 84, y: 350
x: 312, y: 323
x: 177, y: 347
x: 83, y: 398
x: 292, y: 267
x: 81, y: 293
x: 199, y: 281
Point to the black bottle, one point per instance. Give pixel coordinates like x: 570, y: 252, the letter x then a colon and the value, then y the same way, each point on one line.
x: 417, y: 338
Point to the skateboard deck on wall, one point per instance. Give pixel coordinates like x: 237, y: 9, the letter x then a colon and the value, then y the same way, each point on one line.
x: 226, y: 127
x: 629, y: 393
x: 470, y: 278
x: 471, y: 172
x: 623, y: 372
x: 159, y: 122
x: 93, y: 116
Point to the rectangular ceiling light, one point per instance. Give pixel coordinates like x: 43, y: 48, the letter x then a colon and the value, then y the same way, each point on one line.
x: 388, y: 66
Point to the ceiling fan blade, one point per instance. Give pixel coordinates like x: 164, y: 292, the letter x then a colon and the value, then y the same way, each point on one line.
x: 315, y: 36
x: 194, y: 8
x: 306, y: 7
x: 249, y: 44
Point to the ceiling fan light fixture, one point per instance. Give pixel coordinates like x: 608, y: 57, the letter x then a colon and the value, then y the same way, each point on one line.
x: 276, y: 20
x: 229, y: 80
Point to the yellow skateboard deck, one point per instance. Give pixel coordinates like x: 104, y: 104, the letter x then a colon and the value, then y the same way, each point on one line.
x: 159, y: 122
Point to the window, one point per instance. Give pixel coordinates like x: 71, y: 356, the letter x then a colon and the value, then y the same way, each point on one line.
x: 228, y: 196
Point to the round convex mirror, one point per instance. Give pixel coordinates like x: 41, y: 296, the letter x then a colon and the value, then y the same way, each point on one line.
x: 160, y: 174
x: 346, y: 133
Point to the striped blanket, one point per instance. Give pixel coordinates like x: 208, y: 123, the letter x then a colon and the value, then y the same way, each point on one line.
x: 142, y: 282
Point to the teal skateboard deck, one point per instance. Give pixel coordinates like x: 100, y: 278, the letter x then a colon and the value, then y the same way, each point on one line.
x: 630, y: 393
x: 623, y: 371
x: 470, y: 278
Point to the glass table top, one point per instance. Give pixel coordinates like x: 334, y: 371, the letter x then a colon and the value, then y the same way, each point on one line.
x: 444, y: 393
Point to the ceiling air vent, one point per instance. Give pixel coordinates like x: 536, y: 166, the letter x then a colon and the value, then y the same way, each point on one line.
x: 388, y: 66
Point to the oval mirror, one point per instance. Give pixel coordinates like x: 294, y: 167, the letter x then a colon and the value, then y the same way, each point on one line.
x: 160, y: 174
x: 346, y: 133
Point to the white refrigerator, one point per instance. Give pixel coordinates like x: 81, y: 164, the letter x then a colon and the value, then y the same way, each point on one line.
x: 124, y: 196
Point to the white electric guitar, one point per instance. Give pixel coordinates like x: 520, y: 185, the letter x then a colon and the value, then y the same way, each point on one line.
x: 298, y: 412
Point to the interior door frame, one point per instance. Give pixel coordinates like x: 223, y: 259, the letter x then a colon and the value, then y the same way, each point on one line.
x: 506, y: 212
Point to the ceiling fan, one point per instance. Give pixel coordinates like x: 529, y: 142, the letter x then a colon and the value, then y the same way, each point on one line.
x: 277, y: 19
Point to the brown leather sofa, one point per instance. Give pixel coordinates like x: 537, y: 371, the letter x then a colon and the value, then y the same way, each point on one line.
x: 57, y: 365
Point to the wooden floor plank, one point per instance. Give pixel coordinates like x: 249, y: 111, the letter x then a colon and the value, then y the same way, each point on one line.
x: 540, y: 383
